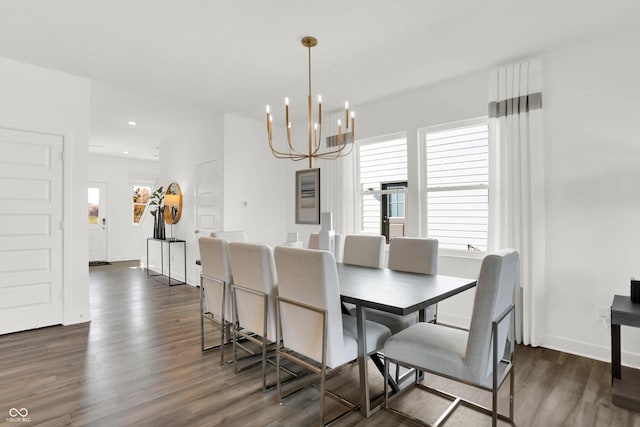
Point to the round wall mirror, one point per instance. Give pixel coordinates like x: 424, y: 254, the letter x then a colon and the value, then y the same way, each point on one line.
x: 173, y: 203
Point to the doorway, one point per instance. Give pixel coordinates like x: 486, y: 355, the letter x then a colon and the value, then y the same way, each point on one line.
x: 31, y: 224
x: 97, y: 221
x: 393, y: 208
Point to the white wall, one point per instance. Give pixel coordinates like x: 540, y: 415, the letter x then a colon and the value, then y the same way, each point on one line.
x: 51, y: 101
x: 123, y: 236
x: 592, y: 156
x: 592, y: 152
x: 249, y: 173
x: 457, y: 99
x: 254, y: 176
x: 200, y: 140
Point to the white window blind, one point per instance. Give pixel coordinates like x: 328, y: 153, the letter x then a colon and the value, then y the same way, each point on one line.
x: 379, y: 162
x: 457, y: 183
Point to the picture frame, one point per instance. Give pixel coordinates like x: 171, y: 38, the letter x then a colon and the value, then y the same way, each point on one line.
x: 308, y: 196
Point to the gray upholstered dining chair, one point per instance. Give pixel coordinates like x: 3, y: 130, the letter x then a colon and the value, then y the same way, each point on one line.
x: 309, y: 318
x: 252, y: 294
x: 215, y: 282
x: 482, y: 356
x: 412, y: 255
x: 314, y: 243
x: 364, y: 250
x: 230, y: 236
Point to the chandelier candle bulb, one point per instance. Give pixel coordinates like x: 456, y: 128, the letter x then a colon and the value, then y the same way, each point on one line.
x: 286, y: 109
x: 315, y: 135
x: 346, y: 114
x: 353, y: 127
x: 268, y: 127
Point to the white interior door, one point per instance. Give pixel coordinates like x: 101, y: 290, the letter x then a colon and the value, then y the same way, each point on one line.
x: 97, y: 221
x: 207, y: 198
x: 31, y: 261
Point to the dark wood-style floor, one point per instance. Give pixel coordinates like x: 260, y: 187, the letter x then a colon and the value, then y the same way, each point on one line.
x: 139, y: 363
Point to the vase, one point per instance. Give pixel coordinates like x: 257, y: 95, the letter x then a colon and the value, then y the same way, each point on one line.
x: 161, y: 228
x: 156, y: 229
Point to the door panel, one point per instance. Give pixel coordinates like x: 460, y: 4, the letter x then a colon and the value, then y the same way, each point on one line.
x: 207, y: 197
x: 393, y: 210
x: 97, y: 221
x: 30, y: 230
x: 208, y: 190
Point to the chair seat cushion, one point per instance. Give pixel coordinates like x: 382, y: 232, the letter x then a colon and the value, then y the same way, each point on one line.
x: 395, y: 322
x: 434, y: 348
x: 377, y: 334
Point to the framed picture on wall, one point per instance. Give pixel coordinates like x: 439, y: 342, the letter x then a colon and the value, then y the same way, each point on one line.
x: 308, y: 196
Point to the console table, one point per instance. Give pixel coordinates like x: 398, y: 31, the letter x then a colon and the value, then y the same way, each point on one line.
x: 169, y: 242
x: 625, y: 392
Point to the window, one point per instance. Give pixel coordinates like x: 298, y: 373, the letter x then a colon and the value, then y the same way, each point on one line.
x: 457, y: 184
x: 140, y: 199
x: 94, y: 204
x: 382, y: 175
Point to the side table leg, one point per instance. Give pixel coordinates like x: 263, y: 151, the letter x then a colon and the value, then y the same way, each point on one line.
x: 616, y: 370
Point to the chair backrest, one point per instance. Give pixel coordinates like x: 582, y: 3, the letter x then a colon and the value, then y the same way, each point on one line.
x: 364, y: 250
x: 413, y: 255
x: 339, y: 243
x: 494, y: 293
x: 314, y: 241
x: 255, y: 269
x: 230, y: 236
x: 310, y: 277
x: 214, y: 257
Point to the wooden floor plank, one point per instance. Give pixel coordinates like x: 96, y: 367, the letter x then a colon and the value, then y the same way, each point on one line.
x: 139, y: 363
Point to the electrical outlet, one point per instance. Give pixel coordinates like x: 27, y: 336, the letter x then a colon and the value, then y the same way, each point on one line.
x: 604, y: 315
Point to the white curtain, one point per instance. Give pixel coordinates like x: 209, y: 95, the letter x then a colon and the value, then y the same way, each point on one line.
x: 516, y: 182
x: 338, y: 182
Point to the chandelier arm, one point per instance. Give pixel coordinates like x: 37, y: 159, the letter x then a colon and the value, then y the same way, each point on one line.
x: 334, y: 151
x: 295, y: 158
x: 282, y: 154
x: 334, y: 155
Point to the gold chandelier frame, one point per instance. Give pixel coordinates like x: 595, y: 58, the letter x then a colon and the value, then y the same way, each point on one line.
x: 314, y: 129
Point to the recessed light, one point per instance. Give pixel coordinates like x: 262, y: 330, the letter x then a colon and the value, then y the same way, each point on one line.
x: 125, y: 152
x: 131, y: 123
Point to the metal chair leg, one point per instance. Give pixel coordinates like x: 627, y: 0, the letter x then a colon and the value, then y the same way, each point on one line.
x: 386, y: 383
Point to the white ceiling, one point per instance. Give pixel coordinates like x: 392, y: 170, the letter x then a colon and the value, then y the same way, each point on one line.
x: 164, y: 63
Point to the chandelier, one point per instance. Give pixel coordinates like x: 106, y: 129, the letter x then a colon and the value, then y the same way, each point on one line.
x: 313, y: 150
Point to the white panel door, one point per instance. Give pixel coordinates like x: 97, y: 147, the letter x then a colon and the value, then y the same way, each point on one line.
x: 97, y: 221
x: 30, y: 230
x: 207, y: 197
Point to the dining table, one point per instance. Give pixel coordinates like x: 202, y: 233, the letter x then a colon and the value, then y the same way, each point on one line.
x: 394, y: 292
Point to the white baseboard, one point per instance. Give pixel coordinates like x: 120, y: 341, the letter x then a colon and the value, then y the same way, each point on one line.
x: 125, y: 258
x: 589, y: 350
x: 579, y: 348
